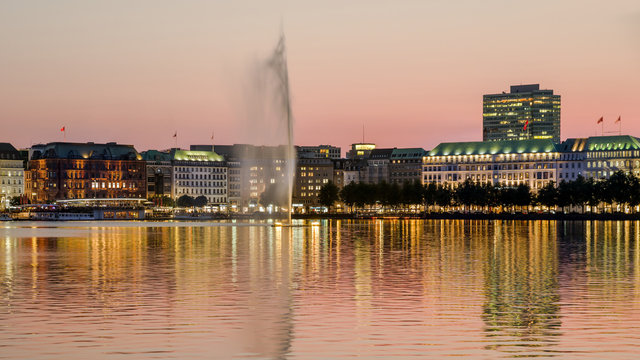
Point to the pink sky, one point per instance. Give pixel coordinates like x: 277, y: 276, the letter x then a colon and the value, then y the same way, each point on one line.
x: 413, y: 72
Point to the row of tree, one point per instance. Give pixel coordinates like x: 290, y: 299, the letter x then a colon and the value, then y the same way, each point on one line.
x: 621, y: 188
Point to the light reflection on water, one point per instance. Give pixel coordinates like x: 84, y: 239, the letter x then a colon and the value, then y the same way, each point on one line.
x: 399, y: 289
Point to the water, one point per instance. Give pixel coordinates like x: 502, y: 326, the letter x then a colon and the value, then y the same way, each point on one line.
x: 344, y: 289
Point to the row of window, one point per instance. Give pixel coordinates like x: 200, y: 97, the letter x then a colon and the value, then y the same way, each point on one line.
x: 190, y: 169
x: 202, y: 183
x: 201, y: 191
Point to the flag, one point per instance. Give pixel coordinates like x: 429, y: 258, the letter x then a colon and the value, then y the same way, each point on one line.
x: 175, y: 134
x: 62, y: 128
x: 619, y: 119
x: 600, y: 120
x: 525, y: 125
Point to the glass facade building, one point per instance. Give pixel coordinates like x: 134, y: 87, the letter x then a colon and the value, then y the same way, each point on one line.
x: 525, y: 113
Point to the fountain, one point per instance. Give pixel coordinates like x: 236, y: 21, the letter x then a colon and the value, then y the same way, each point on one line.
x: 271, y: 125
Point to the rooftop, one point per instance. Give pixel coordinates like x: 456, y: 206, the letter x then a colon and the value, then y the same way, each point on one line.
x: 68, y: 150
x: 494, y: 147
x: 8, y: 152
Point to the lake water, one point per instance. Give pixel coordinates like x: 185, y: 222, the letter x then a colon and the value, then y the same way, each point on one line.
x: 344, y: 289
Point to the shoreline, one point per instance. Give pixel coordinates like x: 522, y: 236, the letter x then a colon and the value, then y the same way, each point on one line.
x: 416, y: 216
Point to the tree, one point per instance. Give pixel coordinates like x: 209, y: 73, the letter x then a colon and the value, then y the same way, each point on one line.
x: 329, y: 194
x: 443, y: 196
x: 412, y: 193
x: 200, y: 201
x: 523, y: 196
x: 548, y: 195
x: 185, y: 201
x: 14, y: 201
x: 466, y: 193
x: 348, y: 194
x: 618, y: 186
x: 163, y: 200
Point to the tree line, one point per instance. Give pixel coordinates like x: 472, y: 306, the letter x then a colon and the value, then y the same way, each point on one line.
x: 619, y: 189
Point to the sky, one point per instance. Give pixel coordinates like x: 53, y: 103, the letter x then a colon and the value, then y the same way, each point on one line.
x: 411, y: 72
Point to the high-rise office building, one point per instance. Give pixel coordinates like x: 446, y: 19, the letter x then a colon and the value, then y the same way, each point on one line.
x: 526, y: 112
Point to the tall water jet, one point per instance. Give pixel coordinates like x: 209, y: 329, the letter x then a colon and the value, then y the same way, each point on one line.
x: 270, y: 160
x: 278, y: 64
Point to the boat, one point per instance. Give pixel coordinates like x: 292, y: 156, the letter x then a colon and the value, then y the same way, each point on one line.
x: 5, y: 217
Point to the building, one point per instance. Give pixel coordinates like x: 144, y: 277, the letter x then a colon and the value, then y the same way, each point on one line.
x: 525, y: 113
x: 253, y: 169
x: 531, y: 162
x: 318, y: 152
x: 360, y: 150
x: 377, y: 170
x: 159, y: 173
x: 199, y: 173
x: 406, y: 165
x: 63, y: 170
x: 506, y: 163
x: 11, y: 174
x: 311, y: 175
x: 601, y: 156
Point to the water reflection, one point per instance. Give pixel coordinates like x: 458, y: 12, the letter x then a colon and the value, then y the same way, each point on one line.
x: 346, y: 288
x: 522, y: 310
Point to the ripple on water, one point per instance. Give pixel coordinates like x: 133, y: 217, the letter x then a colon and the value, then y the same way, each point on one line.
x: 396, y: 289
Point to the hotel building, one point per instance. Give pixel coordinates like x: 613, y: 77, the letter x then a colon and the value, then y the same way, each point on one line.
x: 11, y: 174
x: 532, y: 162
x: 525, y: 113
x: 62, y: 170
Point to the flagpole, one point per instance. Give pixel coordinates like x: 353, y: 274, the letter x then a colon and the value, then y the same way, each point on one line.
x: 619, y: 125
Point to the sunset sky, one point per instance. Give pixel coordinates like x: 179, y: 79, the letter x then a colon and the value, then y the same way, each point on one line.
x: 413, y: 72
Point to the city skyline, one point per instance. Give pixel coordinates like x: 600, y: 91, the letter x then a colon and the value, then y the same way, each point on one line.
x: 414, y: 70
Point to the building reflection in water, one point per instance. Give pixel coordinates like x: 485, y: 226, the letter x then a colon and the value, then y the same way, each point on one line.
x: 522, y: 309
x: 355, y: 288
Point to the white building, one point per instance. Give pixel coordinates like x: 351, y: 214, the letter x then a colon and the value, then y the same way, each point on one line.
x: 199, y: 173
x: 11, y: 174
x: 532, y: 162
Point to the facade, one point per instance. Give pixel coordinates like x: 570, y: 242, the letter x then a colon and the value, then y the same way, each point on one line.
x: 254, y: 168
x: 377, y: 170
x: 506, y: 163
x: 11, y: 174
x: 601, y: 156
x: 62, y: 170
x: 318, y: 152
x: 159, y: 173
x: 311, y: 175
x: 532, y: 162
x: 525, y: 113
x: 199, y: 173
x: 406, y: 165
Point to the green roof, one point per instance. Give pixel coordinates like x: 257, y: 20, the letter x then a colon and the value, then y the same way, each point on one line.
x: 605, y: 143
x: 155, y: 155
x: 494, y: 147
x: 193, y: 155
x: 407, y: 153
